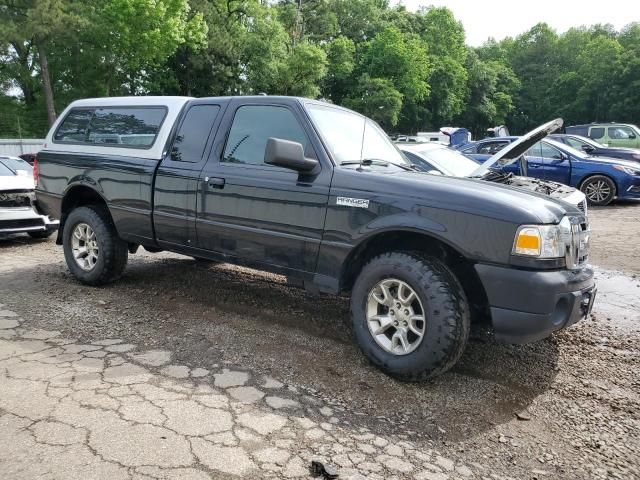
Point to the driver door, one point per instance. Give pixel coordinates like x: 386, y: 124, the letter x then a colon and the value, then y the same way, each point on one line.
x: 262, y: 214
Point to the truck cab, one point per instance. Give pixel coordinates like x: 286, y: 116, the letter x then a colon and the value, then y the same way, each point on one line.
x: 317, y: 193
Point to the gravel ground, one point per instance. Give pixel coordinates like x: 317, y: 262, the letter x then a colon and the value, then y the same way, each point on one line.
x: 566, y: 407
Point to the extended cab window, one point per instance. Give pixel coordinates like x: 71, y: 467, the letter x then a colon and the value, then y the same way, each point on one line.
x: 253, y: 125
x: 74, y: 127
x: 126, y: 126
x: 193, y: 134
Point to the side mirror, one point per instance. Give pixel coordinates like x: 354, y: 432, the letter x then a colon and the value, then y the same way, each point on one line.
x: 434, y: 172
x: 287, y: 154
x: 632, y: 136
x: 588, y: 148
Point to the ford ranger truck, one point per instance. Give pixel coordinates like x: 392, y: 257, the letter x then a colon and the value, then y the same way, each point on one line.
x: 317, y: 193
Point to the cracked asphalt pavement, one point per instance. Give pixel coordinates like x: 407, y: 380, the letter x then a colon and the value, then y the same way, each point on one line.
x: 180, y: 371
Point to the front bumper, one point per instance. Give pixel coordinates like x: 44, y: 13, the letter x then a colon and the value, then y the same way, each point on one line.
x: 25, y: 219
x: 527, y: 306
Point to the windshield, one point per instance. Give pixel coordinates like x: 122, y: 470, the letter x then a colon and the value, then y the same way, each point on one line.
x: 17, y: 166
x: 450, y: 161
x: 351, y: 137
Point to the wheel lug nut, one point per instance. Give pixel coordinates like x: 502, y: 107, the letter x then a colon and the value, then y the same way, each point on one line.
x: 406, y: 312
x: 391, y: 312
x: 398, y: 305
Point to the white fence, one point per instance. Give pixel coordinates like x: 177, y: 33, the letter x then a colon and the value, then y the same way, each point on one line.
x: 17, y: 146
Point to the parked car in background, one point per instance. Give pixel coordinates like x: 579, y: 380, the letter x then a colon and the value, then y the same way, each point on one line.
x: 609, y: 134
x: 597, y: 149
x: 410, y: 139
x: 438, y: 159
x: 17, y: 201
x: 600, y: 178
x: 481, y: 150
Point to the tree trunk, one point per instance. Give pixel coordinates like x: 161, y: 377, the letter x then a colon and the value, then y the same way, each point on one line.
x: 46, y: 85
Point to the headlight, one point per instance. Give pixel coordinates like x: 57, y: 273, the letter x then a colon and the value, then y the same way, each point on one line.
x: 569, y: 240
x: 628, y: 170
x: 540, y: 241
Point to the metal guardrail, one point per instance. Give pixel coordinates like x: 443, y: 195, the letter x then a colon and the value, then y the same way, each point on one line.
x: 18, y: 146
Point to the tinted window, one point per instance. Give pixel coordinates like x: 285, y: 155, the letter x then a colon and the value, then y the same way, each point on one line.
x: 490, y: 148
x: 621, y: 133
x: 544, y: 150
x: 128, y: 126
x: 469, y: 150
x: 192, y: 136
x: 253, y: 126
x: 596, y: 133
x: 74, y: 127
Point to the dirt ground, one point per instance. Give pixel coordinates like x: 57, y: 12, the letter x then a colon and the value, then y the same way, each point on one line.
x: 566, y: 407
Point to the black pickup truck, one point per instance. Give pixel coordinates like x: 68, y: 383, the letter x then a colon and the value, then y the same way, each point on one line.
x: 317, y: 193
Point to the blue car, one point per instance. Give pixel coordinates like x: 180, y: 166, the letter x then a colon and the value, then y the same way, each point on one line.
x: 601, y: 179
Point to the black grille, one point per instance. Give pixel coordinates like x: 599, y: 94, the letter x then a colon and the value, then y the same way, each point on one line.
x: 24, y: 223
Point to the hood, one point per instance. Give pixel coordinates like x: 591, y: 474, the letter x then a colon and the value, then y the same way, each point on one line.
x: 514, y: 150
x: 16, y: 182
x: 477, y: 197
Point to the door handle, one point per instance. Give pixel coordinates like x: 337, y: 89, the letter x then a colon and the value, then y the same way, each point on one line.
x: 215, y: 182
x: 535, y: 165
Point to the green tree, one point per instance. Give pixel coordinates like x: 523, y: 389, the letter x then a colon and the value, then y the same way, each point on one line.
x: 377, y: 99
x: 29, y: 27
x: 340, y: 65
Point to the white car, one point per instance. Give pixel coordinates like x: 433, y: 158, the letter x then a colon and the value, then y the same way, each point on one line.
x: 17, y: 201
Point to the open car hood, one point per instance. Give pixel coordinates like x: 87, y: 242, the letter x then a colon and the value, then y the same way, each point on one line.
x: 514, y: 150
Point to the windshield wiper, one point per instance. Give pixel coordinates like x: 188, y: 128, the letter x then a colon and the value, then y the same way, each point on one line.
x: 378, y: 161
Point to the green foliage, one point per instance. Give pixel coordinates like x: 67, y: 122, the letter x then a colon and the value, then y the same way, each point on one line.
x: 377, y: 99
x: 408, y: 70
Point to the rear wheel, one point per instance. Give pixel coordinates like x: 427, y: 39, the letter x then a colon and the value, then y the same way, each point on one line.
x: 93, y: 251
x: 410, y: 315
x: 599, y: 190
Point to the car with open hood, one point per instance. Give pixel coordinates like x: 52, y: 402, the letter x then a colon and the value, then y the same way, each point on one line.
x: 319, y: 194
x: 18, y: 213
x: 441, y: 160
x: 601, y: 179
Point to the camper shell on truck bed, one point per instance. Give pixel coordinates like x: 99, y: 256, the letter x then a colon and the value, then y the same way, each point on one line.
x: 317, y: 193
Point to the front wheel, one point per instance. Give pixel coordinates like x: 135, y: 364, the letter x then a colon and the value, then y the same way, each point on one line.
x: 94, y: 253
x: 599, y: 190
x: 410, y: 315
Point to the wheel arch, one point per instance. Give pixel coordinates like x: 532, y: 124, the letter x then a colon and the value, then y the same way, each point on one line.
x: 75, y: 196
x: 587, y: 176
x: 410, y: 240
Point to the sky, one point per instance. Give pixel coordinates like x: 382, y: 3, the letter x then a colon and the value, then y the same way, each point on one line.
x: 500, y: 19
